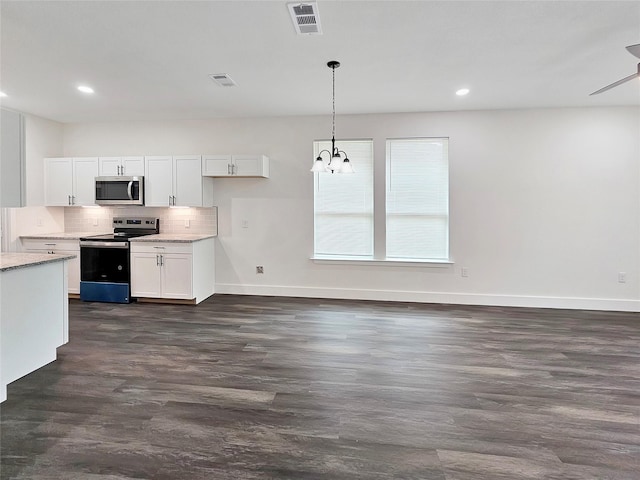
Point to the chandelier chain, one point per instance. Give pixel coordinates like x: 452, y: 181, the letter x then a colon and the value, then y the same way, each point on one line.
x: 333, y: 94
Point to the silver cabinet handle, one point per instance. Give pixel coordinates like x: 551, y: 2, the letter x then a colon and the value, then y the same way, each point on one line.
x: 157, y: 260
x: 228, y: 169
x: 233, y: 170
x: 73, y: 199
x: 169, y: 200
x: 69, y: 199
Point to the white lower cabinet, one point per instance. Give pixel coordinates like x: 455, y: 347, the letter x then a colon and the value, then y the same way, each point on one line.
x: 172, y: 270
x: 145, y: 274
x: 71, y: 247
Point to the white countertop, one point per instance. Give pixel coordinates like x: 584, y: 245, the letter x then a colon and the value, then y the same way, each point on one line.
x: 12, y: 261
x: 63, y: 235
x: 173, y: 237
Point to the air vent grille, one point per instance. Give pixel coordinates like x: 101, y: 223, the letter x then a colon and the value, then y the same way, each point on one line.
x: 222, y: 79
x: 303, y: 9
x: 305, y: 18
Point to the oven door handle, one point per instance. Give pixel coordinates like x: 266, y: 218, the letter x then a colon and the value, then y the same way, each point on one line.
x: 123, y: 245
x: 129, y: 186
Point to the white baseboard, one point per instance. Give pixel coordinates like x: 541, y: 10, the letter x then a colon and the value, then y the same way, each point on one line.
x: 573, y: 303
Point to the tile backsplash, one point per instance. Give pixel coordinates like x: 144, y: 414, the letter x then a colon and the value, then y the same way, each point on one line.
x: 172, y: 220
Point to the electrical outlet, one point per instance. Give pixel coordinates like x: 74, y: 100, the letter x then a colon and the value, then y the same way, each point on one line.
x: 259, y: 269
x: 39, y: 222
x: 622, y: 277
x: 245, y: 223
x: 95, y: 222
x: 464, y: 271
x: 187, y: 223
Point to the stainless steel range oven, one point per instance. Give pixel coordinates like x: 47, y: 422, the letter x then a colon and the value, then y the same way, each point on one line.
x: 105, y: 274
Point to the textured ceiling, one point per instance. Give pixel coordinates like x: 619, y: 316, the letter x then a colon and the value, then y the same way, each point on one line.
x: 151, y: 59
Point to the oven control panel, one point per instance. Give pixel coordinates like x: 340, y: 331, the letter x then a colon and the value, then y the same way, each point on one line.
x: 141, y: 222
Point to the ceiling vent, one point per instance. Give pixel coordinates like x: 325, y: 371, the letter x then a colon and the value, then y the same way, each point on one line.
x: 222, y: 79
x: 305, y: 18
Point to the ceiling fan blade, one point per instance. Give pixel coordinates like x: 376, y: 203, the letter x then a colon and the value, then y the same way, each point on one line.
x: 619, y: 82
x: 634, y: 50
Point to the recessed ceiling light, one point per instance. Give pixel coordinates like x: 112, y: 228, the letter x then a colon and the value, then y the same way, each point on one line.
x: 462, y: 92
x: 85, y: 89
x: 2, y: 94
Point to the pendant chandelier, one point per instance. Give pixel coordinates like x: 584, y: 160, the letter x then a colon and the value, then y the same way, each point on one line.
x: 338, y: 160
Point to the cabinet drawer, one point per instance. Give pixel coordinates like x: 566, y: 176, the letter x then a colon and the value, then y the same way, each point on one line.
x: 164, y: 247
x: 58, y: 245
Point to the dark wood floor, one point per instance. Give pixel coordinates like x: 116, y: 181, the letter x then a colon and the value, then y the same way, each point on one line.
x: 274, y: 388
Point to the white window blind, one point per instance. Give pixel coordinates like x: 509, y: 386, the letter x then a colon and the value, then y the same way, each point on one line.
x: 417, y: 202
x: 343, y: 203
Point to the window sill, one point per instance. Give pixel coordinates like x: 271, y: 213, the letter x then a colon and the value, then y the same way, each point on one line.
x: 381, y: 262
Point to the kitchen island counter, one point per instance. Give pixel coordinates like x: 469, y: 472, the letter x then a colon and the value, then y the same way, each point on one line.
x: 12, y: 261
x: 34, y: 312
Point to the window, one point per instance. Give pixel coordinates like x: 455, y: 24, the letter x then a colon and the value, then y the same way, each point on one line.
x: 417, y: 201
x: 343, y: 204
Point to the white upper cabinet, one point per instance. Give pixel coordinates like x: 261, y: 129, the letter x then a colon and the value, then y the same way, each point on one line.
x: 70, y: 181
x: 177, y: 181
x: 235, y: 166
x: 85, y: 171
x: 216, y: 165
x: 58, y: 181
x: 159, y: 181
x: 121, y: 166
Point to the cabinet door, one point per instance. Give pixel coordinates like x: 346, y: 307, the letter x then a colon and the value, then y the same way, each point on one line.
x: 187, y: 180
x: 216, y: 165
x: 58, y: 181
x: 85, y: 171
x: 73, y: 265
x: 132, y: 166
x: 158, y: 181
x: 177, y: 276
x: 73, y: 270
x: 109, y: 166
x: 250, y: 166
x: 145, y: 275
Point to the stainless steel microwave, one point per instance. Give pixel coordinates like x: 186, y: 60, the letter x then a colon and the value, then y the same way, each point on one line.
x: 120, y: 190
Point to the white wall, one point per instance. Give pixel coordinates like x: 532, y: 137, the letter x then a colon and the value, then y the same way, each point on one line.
x: 545, y: 204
